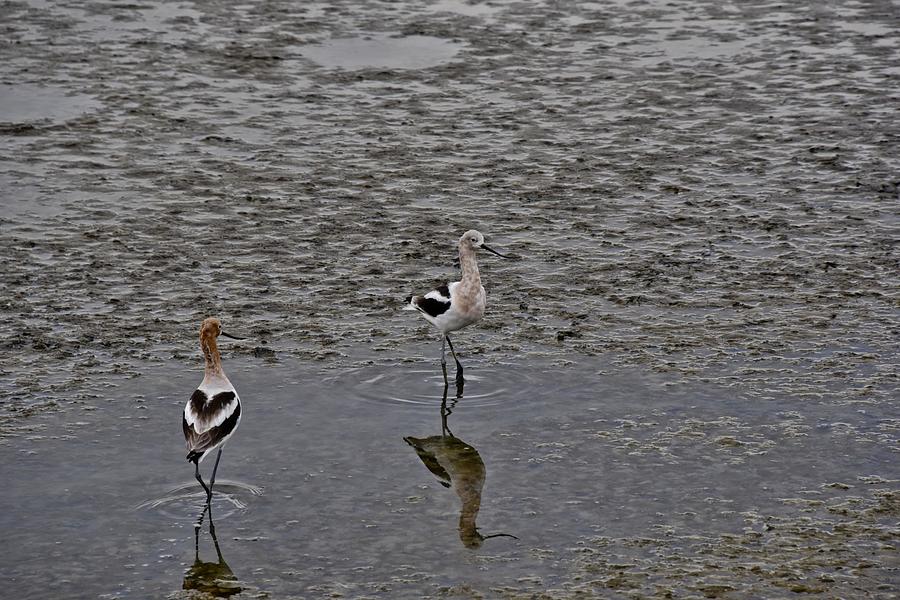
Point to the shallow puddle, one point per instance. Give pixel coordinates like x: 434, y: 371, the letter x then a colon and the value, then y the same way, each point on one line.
x: 469, y: 8
x: 24, y: 103
x: 382, y: 51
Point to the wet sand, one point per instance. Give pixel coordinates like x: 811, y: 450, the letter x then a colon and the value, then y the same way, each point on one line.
x: 702, y: 201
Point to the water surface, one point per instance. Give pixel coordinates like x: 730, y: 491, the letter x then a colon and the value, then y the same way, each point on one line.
x: 604, y: 478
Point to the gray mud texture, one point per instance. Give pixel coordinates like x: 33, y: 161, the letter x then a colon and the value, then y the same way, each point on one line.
x: 704, y: 192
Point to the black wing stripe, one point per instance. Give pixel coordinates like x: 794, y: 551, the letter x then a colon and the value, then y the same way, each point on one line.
x: 206, y: 411
x: 198, y: 444
x: 198, y: 401
x: 432, y: 307
x: 430, y: 461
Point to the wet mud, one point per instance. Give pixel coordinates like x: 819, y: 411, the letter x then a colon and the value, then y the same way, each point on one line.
x: 701, y: 198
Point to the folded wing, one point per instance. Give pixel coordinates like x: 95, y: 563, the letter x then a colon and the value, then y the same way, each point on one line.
x: 435, y: 303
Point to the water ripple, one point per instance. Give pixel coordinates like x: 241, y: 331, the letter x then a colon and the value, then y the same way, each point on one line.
x: 424, y: 388
x: 184, y: 503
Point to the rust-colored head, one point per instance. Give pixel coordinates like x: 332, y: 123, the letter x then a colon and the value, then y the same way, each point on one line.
x: 210, y: 329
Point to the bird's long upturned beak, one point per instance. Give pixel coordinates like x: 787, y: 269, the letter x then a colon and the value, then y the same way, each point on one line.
x: 484, y: 537
x: 233, y: 337
x: 489, y: 249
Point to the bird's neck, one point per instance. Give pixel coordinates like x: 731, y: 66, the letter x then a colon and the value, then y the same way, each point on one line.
x: 468, y: 514
x: 212, y: 356
x: 469, y: 266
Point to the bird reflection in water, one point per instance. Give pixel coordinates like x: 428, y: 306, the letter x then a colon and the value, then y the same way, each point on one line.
x: 213, y: 578
x: 458, y: 465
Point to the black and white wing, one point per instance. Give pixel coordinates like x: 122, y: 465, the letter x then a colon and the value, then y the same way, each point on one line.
x: 207, y: 422
x: 429, y: 459
x: 434, y: 303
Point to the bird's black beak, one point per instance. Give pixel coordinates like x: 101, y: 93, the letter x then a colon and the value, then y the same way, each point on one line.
x: 489, y: 249
x: 499, y: 535
x: 233, y: 337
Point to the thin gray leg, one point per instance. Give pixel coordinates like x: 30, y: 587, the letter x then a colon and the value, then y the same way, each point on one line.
x: 445, y: 411
x: 199, y: 522
x: 200, y: 479
x: 212, y: 480
x: 212, y: 533
x: 459, y: 369
x: 444, y: 370
x: 197, y: 539
x: 443, y: 351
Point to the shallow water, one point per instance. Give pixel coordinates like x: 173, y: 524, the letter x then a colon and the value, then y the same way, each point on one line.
x: 685, y: 382
x: 609, y: 481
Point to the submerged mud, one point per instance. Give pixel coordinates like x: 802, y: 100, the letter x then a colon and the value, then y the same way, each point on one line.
x: 700, y: 192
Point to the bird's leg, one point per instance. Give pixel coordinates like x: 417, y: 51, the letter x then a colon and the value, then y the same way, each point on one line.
x: 212, y: 480
x: 199, y: 522
x: 459, y: 370
x: 197, y: 540
x: 444, y: 370
x: 444, y: 358
x: 200, y: 479
x: 212, y: 534
x: 445, y: 411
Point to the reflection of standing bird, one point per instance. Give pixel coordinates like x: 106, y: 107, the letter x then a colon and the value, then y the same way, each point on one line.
x: 213, y: 578
x: 213, y: 413
x: 459, y: 304
x: 457, y: 464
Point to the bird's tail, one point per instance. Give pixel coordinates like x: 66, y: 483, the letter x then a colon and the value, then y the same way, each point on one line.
x: 194, y: 456
x: 410, y: 303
